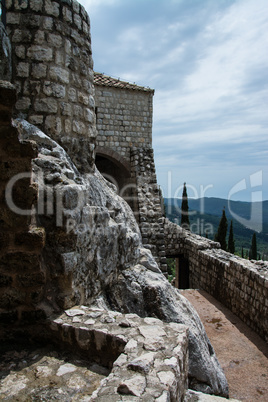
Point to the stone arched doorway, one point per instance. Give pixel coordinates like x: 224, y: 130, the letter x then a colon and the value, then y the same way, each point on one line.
x: 117, y: 171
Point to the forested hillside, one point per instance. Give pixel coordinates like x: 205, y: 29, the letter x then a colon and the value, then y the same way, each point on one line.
x: 247, y: 217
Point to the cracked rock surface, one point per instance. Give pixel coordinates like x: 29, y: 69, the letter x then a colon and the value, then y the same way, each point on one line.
x: 94, y: 254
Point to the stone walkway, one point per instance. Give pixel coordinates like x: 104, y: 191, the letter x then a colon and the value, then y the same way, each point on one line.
x: 242, y: 353
x: 46, y: 374
x: 43, y: 374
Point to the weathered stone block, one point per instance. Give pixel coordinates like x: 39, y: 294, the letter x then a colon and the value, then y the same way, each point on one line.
x: 13, y: 18
x: 22, y: 36
x: 78, y: 111
x: 39, y: 38
x: 59, y: 74
x: 47, y: 105
x: 59, y: 58
x: 31, y: 21
x: 66, y: 109
x: 77, y: 21
x: 88, y: 115
x: 36, y: 119
x: 39, y: 70
x: 53, y: 125
x: 23, y: 69
x: 68, y: 126
x: 36, y: 5
x: 67, y: 14
x: 76, y: 6
x: 20, y: 51
x: 52, y: 8
x: 79, y: 127
x: 54, y: 40
x: 48, y: 23
x: 21, y: 4
x: 54, y: 89
x: 40, y: 53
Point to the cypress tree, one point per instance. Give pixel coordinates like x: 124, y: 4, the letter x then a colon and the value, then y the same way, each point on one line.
x: 222, y: 231
x: 185, y: 223
x: 231, y: 242
x: 242, y: 252
x: 253, y: 249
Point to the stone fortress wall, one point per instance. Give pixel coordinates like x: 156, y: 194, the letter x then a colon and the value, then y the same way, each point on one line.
x: 23, y: 288
x: 52, y: 72
x: 47, y: 268
x: 124, y: 154
x: 123, y: 115
x: 241, y: 285
x: 22, y: 277
x: 53, y: 86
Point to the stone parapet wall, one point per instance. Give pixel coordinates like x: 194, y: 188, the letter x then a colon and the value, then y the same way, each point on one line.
x: 147, y: 357
x: 124, y: 119
x: 150, y: 218
x: 239, y: 284
x: 22, y: 279
x: 52, y: 72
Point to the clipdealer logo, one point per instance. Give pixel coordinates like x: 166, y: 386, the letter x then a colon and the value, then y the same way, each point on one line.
x: 254, y: 184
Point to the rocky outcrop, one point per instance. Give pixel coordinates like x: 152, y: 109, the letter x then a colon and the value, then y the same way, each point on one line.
x: 94, y: 254
x: 149, y: 294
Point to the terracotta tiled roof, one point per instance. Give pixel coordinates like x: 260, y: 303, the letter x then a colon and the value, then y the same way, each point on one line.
x: 106, y: 81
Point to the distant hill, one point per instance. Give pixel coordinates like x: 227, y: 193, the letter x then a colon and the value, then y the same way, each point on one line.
x: 205, y: 214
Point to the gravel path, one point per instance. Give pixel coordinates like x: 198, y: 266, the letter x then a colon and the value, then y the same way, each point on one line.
x: 242, y: 353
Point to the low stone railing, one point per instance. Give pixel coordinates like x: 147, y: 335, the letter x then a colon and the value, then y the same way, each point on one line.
x: 147, y: 357
x: 241, y: 285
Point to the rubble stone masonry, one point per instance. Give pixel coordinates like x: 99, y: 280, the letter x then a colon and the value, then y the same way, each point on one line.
x: 241, y: 285
x: 124, y: 115
x: 52, y: 72
x: 22, y: 278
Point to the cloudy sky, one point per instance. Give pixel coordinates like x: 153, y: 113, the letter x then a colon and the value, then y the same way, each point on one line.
x: 208, y: 63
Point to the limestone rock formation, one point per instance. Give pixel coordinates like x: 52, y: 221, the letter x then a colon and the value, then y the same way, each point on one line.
x: 150, y: 294
x: 94, y: 254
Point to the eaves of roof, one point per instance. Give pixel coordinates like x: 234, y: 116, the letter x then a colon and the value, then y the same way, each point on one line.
x: 106, y: 81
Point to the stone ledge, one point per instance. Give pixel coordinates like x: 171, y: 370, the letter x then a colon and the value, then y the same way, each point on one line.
x: 149, y: 358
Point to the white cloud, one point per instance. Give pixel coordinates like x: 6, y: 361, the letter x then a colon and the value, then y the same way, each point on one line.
x: 93, y: 4
x: 208, y: 63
